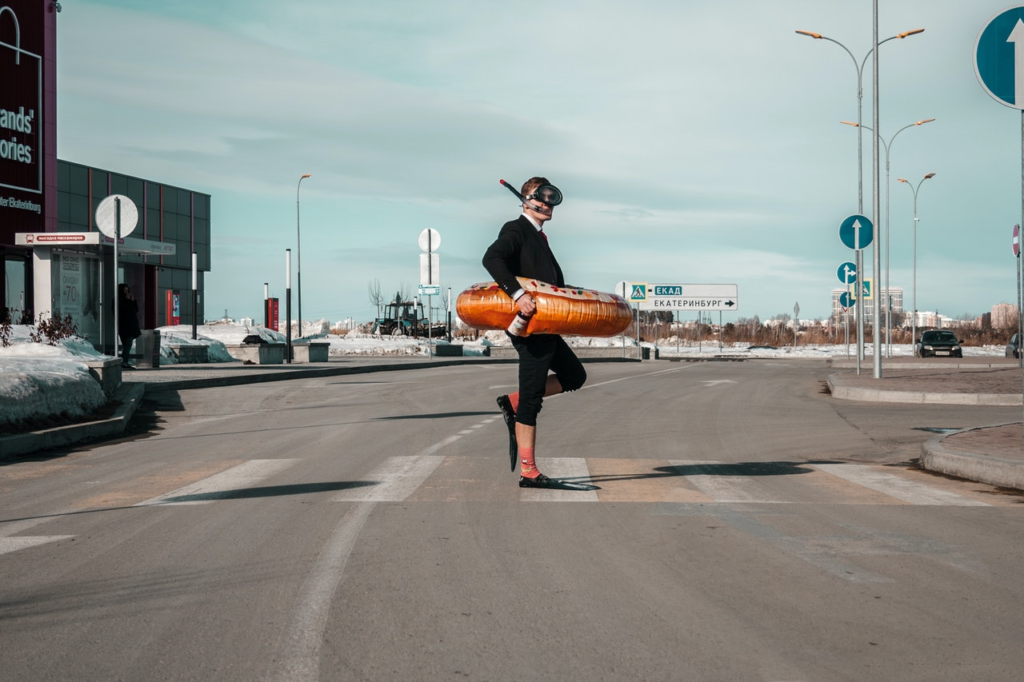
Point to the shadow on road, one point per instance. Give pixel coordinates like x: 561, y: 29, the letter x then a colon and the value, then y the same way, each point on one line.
x: 270, y: 491
x: 439, y: 415
x: 743, y: 469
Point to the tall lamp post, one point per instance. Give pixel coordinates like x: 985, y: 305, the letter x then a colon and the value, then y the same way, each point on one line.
x: 888, y: 146
x: 298, y: 244
x: 913, y: 323
x: 859, y: 66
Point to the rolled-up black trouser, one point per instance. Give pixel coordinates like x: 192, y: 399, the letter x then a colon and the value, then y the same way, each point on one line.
x: 538, y: 354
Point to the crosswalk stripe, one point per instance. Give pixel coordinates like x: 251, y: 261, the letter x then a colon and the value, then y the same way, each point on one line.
x: 897, y: 487
x: 222, y: 485
x: 572, y: 468
x: 725, y: 488
x: 642, y: 480
x: 398, y: 479
x: 394, y: 480
x: 8, y: 545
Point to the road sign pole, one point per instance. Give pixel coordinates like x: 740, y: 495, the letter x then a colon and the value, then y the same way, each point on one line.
x: 859, y: 313
x: 847, y: 316
x: 876, y: 209
x: 117, y: 299
x: 1017, y: 234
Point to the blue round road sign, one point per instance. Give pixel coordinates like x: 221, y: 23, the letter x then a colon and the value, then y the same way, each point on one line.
x: 847, y: 273
x: 846, y: 300
x: 849, y: 229
x: 999, y: 57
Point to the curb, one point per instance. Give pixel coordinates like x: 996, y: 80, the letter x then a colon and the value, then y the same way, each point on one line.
x: 27, y: 443
x: 981, y: 468
x: 919, y: 364
x: 920, y: 397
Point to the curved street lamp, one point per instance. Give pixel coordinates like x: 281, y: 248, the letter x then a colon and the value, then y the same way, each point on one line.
x: 859, y: 66
x: 860, y: 99
x: 888, y: 145
x: 913, y: 322
x: 298, y: 244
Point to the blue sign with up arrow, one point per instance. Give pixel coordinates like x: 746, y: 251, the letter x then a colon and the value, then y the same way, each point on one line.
x: 851, y: 227
x: 999, y: 57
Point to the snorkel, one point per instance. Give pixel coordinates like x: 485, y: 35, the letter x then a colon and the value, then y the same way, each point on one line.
x: 549, y: 194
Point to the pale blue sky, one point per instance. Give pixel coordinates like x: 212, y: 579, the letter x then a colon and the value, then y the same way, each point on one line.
x: 695, y: 142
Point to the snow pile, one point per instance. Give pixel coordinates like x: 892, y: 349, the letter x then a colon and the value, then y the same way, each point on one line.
x: 359, y: 343
x: 39, y: 380
x: 216, y: 337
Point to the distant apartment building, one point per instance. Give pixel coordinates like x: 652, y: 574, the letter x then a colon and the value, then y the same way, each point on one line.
x: 893, y: 296
x: 1004, y: 316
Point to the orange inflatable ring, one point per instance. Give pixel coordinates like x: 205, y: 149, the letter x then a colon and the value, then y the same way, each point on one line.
x: 560, y: 310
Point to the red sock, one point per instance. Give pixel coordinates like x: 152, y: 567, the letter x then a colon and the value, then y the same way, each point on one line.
x: 528, y: 466
x: 514, y: 399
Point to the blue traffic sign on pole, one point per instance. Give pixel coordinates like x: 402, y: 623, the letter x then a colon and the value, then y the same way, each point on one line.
x: 999, y: 57
x: 846, y: 300
x: 847, y: 273
x: 851, y: 227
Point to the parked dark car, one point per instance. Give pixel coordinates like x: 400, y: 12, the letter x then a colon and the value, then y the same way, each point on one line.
x: 938, y: 342
x: 1013, y: 347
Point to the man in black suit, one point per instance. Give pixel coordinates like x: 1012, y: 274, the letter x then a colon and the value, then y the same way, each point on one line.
x: 522, y: 250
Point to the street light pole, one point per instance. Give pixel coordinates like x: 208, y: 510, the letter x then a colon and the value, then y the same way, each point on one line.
x: 913, y: 319
x: 298, y: 244
x: 888, y: 146
x: 859, y: 66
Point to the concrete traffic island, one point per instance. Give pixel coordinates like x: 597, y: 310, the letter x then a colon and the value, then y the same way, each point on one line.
x: 989, y: 454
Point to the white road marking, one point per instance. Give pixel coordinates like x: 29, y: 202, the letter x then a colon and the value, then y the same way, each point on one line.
x: 573, y: 468
x: 9, y: 544
x: 400, y: 477
x: 300, y: 655
x: 894, y: 486
x: 222, y: 485
x: 466, y: 432
x: 394, y: 480
x: 437, y: 446
x: 724, y: 488
x: 634, y: 376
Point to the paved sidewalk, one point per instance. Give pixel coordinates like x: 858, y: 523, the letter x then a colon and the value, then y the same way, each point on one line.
x: 991, y: 454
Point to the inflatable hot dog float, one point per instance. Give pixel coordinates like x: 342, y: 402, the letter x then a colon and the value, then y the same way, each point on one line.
x: 560, y: 310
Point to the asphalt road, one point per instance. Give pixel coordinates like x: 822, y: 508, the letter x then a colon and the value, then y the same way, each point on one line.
x: 747, y: 526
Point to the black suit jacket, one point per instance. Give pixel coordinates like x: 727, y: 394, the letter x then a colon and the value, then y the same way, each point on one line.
x: 520, y: 251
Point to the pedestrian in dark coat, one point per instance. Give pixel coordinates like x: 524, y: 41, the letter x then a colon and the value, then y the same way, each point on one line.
x: 127, y: 321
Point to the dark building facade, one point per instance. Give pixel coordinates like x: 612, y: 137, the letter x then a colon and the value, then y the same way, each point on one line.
x: 53, y: 261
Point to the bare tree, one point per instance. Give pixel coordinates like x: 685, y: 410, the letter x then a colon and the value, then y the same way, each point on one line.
x: 376, y: 295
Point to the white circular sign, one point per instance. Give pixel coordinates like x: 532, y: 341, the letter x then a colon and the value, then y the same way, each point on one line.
x: 429, y: 240
x: 106, y: 215
x: 622, y: 289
